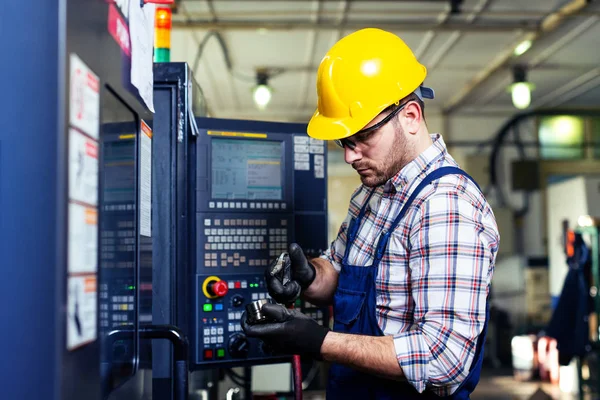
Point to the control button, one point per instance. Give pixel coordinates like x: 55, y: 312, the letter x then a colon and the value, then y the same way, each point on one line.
x: 238, y: 315
x: 230, y: 284
x: 220, y: 339
x: 264, y: 205
x: 277, y: 206
x: 244, y: 284
x: 211, y: 204
x: 254, y: 297
x: 258, y: 205
x: 206, y: 331
x: 220, y: 353
x: 219, y: 331
x: 217, y: 288
x: 207, y: 307
x: 244, y: 205
x: 238, y: 285
x: 206, y: 340
x: 207, y: 222
x: 213, y: 340
x: 208, y: 354
x: 231, y: 315
x: 283, y: 206
x: 270, y: 206
x: 219, y: 204
x: 213, y: 331
x: 238, y: 205
x: 219, y: 307
x: 226, y: 222
x: 252, y: 205
x: 238, y: 346
x: 237, y: 300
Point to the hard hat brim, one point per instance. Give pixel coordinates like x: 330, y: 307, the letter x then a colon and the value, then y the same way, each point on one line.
x: 324, y: 128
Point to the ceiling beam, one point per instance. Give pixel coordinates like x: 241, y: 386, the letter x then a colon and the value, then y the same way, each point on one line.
x: 549, y: 24
x: 405, y: 26
x: 538, y: 61
x: 568, y: 91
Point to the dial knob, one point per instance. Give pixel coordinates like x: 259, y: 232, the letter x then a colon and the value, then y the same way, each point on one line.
x: 237, y: 300
x: 238, y: 346
x: 217, y: 288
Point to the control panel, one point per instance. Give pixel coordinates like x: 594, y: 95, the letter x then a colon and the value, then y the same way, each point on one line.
x: 259, y: 187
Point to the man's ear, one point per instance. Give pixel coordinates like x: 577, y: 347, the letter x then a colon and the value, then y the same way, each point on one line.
x: 413, y: 116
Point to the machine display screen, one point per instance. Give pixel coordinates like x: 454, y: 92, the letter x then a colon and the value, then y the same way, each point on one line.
x: 247, y: 169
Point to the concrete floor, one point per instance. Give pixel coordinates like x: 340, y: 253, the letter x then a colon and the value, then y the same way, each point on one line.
x: 500, y: 385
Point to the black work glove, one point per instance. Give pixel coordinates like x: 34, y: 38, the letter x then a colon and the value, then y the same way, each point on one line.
x: 287, y: 331
x: 302, y: 274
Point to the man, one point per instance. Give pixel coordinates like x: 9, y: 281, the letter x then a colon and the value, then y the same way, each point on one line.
x: 409, y: 272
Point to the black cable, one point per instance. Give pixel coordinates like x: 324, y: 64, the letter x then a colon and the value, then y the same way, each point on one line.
x: 505, y: 130
x: 526, y: 194
x: 225, y: 51
x: 236, y: 378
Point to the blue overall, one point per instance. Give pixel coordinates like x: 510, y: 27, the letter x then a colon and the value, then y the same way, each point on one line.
x: 354, y: 312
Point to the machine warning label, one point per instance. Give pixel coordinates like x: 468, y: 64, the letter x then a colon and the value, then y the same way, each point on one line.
x: 83, y: 168
x: 319, y: 166
x: 83, y: 239
x: 146, y: 181
x: 84, y: 98
x: 81, y: 311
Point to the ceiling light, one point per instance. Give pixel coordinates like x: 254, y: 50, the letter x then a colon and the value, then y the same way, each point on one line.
x: 521, y: 89
x: 262, y: 90
x: 522, y: 47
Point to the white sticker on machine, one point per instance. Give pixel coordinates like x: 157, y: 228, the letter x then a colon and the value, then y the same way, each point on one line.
x: 81, y: 311
x: 83, y: 168
x: 301, y: 157
x: 146, y: 180
x: 319, y: 161
x: 84, y: 98
x: 83, y: 239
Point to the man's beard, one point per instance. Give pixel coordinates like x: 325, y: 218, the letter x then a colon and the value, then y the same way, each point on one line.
x: 380, y: 172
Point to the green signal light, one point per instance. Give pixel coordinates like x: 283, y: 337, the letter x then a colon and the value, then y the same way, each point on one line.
x: 130, y: 287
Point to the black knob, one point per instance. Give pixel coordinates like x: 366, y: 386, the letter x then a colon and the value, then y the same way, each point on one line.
x: 238, y: 346
x: 237, y: 300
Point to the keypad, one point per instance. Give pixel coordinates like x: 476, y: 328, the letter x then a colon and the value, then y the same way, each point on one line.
x: 227, y: 241
x: 243, y: 205
x: 213, y: 335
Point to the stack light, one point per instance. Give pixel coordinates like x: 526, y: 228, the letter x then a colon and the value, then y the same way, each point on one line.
x: 162, y: 35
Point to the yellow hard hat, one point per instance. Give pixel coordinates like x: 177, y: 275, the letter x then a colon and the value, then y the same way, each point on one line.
x: 361, y: 75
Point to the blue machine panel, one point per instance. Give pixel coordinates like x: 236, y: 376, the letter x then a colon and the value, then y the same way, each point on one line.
x: 259, y: 187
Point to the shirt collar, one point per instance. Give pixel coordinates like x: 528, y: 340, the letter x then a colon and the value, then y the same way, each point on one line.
x: 419, y: 165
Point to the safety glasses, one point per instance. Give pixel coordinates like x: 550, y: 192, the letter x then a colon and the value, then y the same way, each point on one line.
x: 363, y: 134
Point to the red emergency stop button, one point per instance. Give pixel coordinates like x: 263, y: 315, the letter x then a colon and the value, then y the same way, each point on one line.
x: 218, y: 289
x: 213, y: 287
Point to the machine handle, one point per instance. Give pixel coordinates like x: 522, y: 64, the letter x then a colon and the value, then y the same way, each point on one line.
x: 180, y: 352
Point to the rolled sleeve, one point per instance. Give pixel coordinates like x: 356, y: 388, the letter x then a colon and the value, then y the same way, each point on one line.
x: 452, y: 246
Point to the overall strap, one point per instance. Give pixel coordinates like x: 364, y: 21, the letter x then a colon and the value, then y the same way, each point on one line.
x: 355, y: 224
x: 438, y: 173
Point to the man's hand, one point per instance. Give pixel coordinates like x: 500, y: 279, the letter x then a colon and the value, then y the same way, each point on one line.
x: 302, y: 275
x: 288, y: 331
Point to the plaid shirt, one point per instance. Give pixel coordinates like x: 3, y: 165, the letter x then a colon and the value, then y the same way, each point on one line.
x: 434, y: 277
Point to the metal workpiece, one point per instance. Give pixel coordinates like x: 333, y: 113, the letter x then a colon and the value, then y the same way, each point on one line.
x: 254, y: 311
